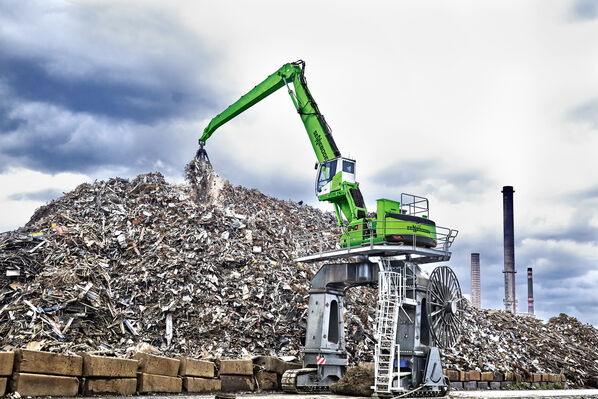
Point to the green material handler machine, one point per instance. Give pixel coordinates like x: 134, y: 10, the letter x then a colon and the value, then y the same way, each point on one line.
x: 416, y: 312
x: 404, y: 222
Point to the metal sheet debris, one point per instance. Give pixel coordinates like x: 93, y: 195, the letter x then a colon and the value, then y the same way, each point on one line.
x: 206, y: 269
x: 499, y: 341
x: 147, y: 261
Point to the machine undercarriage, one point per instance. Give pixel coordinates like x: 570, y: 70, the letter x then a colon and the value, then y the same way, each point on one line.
x: 415, y: 313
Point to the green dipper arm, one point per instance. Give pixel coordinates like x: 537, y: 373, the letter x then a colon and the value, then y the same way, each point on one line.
x: 314, y: 122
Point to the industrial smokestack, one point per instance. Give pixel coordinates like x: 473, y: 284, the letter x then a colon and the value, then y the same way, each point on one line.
x: 509, y: 242
x: 530, y: 291
x: 476, y: 291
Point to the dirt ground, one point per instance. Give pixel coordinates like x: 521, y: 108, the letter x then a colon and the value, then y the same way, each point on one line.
x: 563, y: 394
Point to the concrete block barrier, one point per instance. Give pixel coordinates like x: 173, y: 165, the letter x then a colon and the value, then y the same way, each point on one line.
x: 28, y: 361
x: 157, y: 365
x: 6, y: 363
x: 196, y: 368
x: 115, y: 386
x: 158, y: 383
x: 236, y: 383
x: 199, y: 384
x: 27, y: 384
x: 236, y: 367
x: 113, y: 367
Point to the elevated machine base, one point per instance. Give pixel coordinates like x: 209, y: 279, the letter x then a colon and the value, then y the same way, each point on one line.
x: 414, y: 312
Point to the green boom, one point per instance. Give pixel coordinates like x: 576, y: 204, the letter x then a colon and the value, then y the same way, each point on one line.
x: 344, y: 194
x: 336, y: 183
x: 317, y: 129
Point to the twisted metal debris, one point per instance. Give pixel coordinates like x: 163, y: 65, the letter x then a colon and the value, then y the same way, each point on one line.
x: 143, y: 261
x: 499, y: 341
x: 206, y: 269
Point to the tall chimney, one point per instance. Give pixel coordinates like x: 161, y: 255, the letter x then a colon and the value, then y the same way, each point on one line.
x: 476, y: 291
x: 509, y: 242
x: 530, y: 291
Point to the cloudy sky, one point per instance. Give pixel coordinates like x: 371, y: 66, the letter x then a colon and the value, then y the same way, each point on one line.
x: 450, y: 100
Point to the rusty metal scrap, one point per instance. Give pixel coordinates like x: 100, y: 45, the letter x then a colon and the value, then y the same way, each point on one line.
x: 499, y: 341
x: 206, y: 269
x: 146, y: 261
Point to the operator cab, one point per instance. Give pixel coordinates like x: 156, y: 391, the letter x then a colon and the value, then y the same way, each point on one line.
x: 327, y: 180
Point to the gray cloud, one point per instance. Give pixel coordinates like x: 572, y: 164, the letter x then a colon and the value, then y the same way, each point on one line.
x: 576, y: 297
x: 555, y: 263
x: 88, y: 86
x: 7, y: 122
x: 591, y: 194
x: 560, y: 278
x: 43, y: 195
x: 54, y: 140
x: 580, y: 228
x: 585, y: 9
x: 28, y: 79
x: 430, y: 175
x: 587, y: 112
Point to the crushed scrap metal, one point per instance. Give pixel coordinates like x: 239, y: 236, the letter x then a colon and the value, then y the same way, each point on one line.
x: 143, y: 261
x: 206, y: 269
x: 499, y: 341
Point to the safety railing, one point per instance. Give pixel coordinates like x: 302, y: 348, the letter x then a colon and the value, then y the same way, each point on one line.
x: 377, y: 232
x: 414, y: 205
x: 392, y: 286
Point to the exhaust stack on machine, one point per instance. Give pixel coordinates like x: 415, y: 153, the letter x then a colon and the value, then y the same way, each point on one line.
x: 530, y: 291
x: 509, y: 242
x: 476, y: 291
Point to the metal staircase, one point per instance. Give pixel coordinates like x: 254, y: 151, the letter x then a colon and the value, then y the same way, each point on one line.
x: 391, y: 293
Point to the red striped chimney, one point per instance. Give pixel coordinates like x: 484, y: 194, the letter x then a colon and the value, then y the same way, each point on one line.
x: 530, y: 291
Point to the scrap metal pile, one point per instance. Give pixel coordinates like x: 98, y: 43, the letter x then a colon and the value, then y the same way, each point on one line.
x: 499, y: 341
x: 116, y: 263
x: 206, y: 269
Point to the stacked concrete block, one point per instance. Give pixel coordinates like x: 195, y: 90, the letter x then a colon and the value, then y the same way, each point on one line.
x: 487, y: 376
x: 551, y: 378
x: 35, y: 373
x: 193, y: 384
x: 109, y: 375
x: 496, y: 380
x: 453, y: 375
x: 6, y: 363
x: 473, y: 375
x: 534, y: 378
x: 236, y: 375
x: 513, y: 378
x: 46, y: 374
x: 158, y: 374
x: 198, y: 375
x: 270, y: 370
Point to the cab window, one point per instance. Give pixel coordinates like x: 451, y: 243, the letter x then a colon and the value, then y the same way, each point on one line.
x: 327, y: 172
x: 348, y: 167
